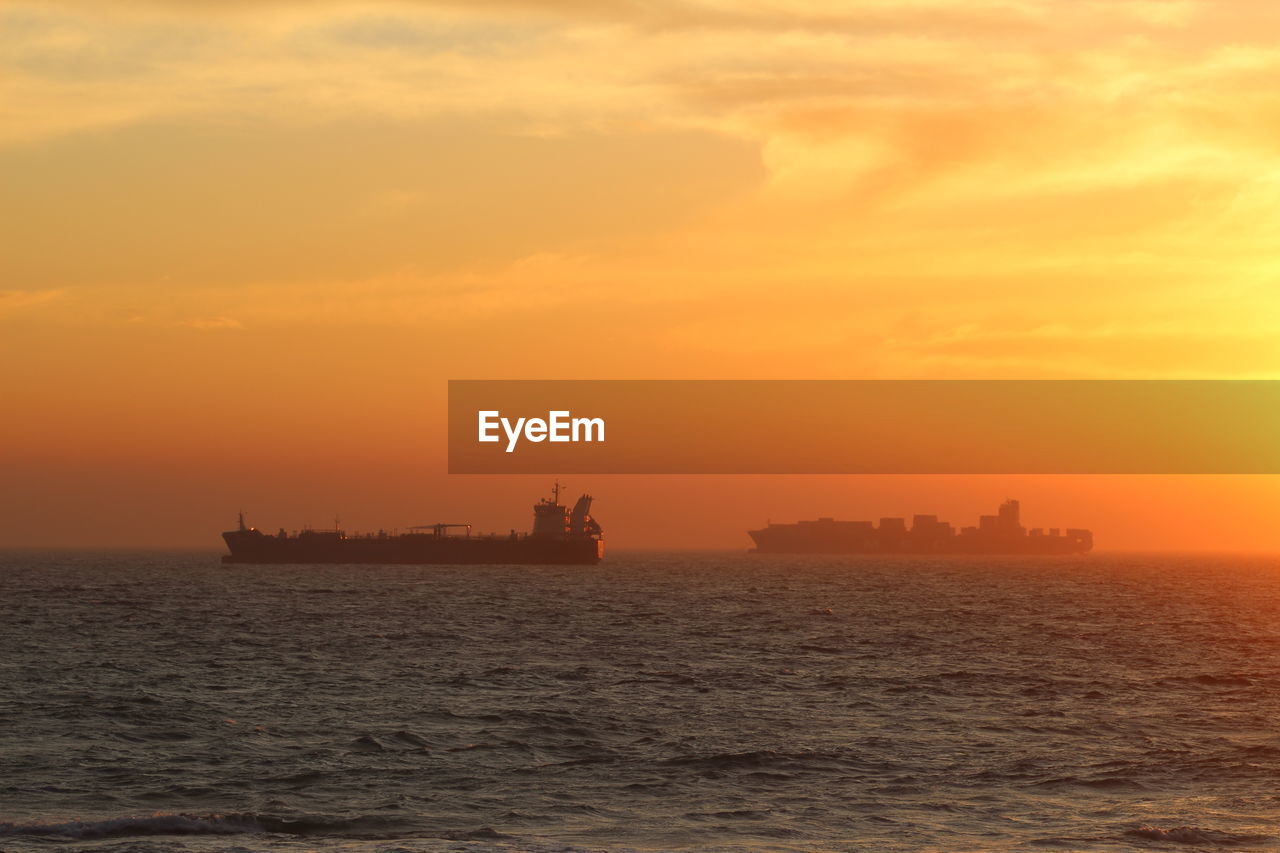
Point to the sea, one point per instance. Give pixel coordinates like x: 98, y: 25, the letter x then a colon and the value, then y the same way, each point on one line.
x: 160, y: 701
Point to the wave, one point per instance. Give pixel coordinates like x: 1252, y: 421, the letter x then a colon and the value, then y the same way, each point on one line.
x: 754, y: 758
x: 1195, y: 835
x: 175, y: 824
x: 1117, y: 783
x: 1231, y: 679
x: 208, y: 824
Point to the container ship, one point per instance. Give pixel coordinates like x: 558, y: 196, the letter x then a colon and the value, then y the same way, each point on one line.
x: 560, y: 535
x: 1001, y: 533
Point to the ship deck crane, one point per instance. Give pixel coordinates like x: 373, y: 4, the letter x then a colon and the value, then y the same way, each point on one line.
x: 439, y: 529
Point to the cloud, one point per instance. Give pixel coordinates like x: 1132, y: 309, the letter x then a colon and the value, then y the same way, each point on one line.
x: 1112, y: 352
x: 857, y: 179
x: 728, y: 65
x: 17, y: 300
x: 174, y: 206
x: 212, y: 323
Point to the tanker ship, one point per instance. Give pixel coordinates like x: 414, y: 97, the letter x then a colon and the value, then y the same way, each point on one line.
x: 1001, y: 533
x: 560, y: 535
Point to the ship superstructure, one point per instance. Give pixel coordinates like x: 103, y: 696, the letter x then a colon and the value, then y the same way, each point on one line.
x: 1001, y: 533
x: 560, y: 535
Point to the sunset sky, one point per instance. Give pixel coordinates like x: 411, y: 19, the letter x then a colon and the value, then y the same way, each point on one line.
x: 245, y: 244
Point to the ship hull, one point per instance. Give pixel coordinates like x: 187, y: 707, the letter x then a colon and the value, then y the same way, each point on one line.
x: 254, y: 548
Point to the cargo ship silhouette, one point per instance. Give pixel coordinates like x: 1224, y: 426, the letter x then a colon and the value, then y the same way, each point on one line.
x: 560, y: 535
x: 1002, y: 533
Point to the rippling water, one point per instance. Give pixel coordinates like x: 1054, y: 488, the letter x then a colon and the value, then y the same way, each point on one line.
x: 164, y: 702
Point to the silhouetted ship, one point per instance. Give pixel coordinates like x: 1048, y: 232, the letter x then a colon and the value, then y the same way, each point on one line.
x: 560, y: 536
x: 995, y: 534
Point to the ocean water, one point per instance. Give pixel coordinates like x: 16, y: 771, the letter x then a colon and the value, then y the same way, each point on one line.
x: 161, y: 701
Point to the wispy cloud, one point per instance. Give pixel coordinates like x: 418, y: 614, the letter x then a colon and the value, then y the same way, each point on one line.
x: 806, y: 177
x: 212, y: 323
x: 17, y: 300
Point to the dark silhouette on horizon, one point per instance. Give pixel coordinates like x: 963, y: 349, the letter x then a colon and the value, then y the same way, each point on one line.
x: 560, y: 536
x: 1002, y: 533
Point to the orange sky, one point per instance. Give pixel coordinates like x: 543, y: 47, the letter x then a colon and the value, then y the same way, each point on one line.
x: 246, y: 243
